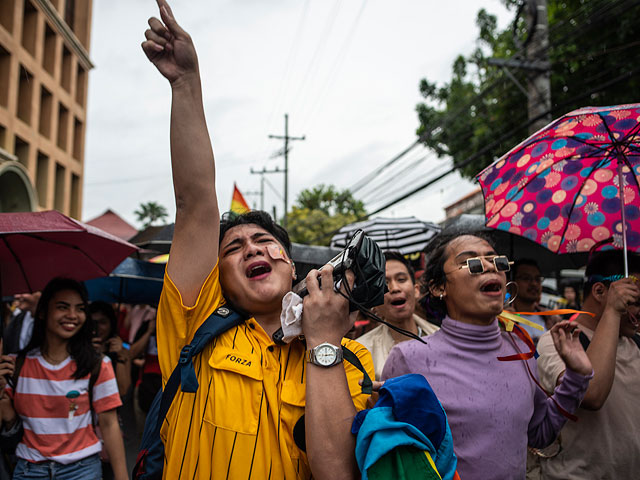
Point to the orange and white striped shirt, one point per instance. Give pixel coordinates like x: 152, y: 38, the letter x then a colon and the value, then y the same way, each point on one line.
x: 55, y: 411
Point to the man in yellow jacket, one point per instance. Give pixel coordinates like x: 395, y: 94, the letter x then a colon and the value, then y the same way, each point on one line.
x: 262, y: 410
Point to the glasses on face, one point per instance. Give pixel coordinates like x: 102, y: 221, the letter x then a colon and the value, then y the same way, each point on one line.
x: 476, y: 264
x: 530, y: 278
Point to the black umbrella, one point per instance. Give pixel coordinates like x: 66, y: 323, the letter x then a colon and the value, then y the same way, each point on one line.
x: 405, y: 235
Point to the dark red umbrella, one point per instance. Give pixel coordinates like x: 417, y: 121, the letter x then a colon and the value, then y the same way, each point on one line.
x: 38, y: 246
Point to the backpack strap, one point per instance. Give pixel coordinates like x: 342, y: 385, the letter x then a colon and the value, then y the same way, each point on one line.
x: 352, y: 358
x: 184, y: 376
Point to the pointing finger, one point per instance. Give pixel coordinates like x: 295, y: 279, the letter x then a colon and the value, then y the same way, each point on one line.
x: 167, y: 17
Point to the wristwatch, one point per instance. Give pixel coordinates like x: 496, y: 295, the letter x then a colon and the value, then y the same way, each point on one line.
x: 325, y: 355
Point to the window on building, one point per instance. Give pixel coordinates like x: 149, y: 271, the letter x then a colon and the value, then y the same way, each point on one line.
x: 67, y: 61
x: 58, y: 201
x: 74, y: 209
x: 49, y: 53
x: 81, y: 85
x: 25, y: 93
x: 21, y: 150
x: 42, y: 179
x: 70, y: 13
x: 29, y: 27
x: 78, y: 137
x: 6, y: 14
x: 46, y: 111
x: 63, y: 126
x: 3, y: 137
x: 5, y: 69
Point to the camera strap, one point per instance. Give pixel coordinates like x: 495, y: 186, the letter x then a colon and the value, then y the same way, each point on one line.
x: 352, y: 358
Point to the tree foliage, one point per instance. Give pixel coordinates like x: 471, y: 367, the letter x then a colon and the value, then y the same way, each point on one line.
x: 151, y: 212
x: 480, y: 113
x: 319, y: 212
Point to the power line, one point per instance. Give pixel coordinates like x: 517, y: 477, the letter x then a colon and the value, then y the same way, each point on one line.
x: 479, y: 96
x: 506, y: 135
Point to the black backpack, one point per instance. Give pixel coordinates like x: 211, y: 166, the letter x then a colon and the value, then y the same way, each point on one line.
x: 150, y: 462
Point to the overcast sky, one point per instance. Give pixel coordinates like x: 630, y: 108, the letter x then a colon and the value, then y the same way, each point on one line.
x: 346, y: 72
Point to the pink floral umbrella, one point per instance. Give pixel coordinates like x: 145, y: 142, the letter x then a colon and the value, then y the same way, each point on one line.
x: 561, y: 186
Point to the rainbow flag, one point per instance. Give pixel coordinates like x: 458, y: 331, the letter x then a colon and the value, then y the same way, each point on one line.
x: 238, y: 204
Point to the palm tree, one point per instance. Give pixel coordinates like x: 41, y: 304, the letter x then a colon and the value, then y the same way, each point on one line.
x: 150, y: 212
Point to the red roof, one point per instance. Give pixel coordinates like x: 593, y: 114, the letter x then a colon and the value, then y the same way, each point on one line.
x: 112, y: 223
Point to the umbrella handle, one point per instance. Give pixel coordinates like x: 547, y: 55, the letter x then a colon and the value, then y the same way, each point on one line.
x: 624, y: 220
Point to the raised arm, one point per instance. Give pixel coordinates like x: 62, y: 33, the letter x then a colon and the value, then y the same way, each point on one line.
x: 547, y: 421
x: 194, y: 250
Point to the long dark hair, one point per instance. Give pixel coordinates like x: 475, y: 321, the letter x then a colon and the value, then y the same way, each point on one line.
x: 79, y: 346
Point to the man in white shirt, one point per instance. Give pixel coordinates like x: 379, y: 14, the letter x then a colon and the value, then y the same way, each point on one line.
x: 398, y: 309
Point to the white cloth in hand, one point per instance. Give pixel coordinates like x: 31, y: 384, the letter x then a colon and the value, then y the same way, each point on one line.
x: 291, y: 316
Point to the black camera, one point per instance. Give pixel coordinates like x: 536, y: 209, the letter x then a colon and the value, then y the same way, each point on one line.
x: 364, y: 258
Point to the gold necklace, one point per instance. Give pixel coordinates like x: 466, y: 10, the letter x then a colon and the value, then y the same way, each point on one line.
x: 51, y: 360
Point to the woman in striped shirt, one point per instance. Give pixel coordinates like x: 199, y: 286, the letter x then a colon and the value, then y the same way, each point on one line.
x: 61, y: 383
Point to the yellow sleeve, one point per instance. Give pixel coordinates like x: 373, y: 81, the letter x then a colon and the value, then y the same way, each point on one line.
x: 354, y: 375
x: 177, y: 323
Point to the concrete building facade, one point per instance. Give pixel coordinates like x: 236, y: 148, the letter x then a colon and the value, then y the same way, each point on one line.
x: 44, y: 67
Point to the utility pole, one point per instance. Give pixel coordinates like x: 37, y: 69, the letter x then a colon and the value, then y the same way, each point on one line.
x: 536, y: 64
x: 262, y: 174
x: 539, y: 82
x: 286, y: 139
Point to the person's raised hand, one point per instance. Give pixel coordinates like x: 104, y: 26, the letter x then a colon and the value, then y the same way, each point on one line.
x: 621, y: 294
x: 7, y: 367
x: 169, y: 47
x: 565, y: 339
x: 325, y: 314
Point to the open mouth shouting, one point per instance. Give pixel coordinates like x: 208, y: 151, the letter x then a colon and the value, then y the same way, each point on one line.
x: 258, y: 270
x: 398, y: 302
x: 492, y: 288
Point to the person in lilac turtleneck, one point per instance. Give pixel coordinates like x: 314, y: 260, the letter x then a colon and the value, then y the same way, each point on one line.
x: 494, y: 407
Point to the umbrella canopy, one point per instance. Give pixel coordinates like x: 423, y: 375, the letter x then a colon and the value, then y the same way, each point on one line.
x: 405, y: 235
x: 516, y: 246
x: 38, y: 246
x: 133, y: 281
x: 561, y: 186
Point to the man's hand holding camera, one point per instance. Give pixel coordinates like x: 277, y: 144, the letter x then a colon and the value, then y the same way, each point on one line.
x: 326, y: 312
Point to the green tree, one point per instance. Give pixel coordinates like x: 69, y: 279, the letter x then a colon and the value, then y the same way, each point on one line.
x: 150, y: 212
x: 319, y: 212
x: 480, y: 113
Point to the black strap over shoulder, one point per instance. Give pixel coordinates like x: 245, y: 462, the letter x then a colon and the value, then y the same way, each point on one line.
x: 352, y: 358
x: 183, y: 375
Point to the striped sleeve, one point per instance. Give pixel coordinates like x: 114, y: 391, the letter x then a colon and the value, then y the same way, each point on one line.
x: 105, y: 391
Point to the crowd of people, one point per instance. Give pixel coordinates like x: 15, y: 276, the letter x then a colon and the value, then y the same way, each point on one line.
x: 554, y: 398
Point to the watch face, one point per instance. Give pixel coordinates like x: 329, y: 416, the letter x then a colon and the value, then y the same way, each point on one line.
x: 325, y: 355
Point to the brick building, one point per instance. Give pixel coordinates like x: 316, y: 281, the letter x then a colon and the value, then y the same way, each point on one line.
x: 44, y: 66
